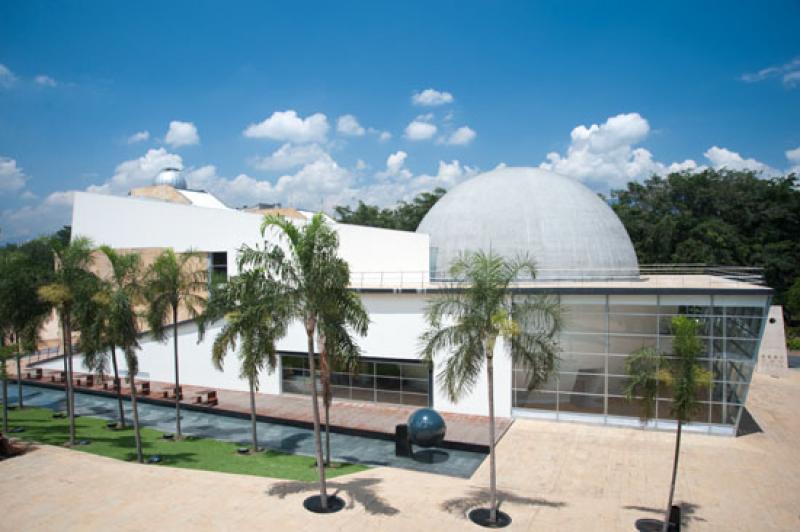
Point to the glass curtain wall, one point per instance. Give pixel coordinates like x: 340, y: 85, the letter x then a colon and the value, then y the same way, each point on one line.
x: 599, y: 334
x: 403, y: 383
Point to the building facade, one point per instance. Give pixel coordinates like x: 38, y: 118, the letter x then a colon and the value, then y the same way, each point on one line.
x: 612, y: 306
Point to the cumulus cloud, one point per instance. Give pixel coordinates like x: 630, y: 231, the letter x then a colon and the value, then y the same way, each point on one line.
x: 431, y: 98
x: 12, y: 177
x: 789, y: 74
x: 30, y: 221
x: 7, y: 78
x: 395, y: 166
x: 289, y: 127
x: 181, y: 134
x: 460, y: 137
x: 138, y: 172
x: 421, y: 128
x: 794, y: 159
x: 289, y: 156
x: 140, y: 136
x: 45, y: 81
x: 348, y: 125
x: 724, y: 158
x: 605, y: 153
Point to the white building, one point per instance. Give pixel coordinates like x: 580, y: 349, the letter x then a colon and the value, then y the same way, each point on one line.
x: 584, y: 257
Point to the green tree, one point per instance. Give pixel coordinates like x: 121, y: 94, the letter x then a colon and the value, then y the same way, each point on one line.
x: 72, y: 281
x: 6, y: 353
x: 720, y: 217
x: 467, y: 320
x: 173, y: 281
x: 405, y: 216
x: 22, y: 270
x: 312, y: 274
x: 793, y: 299
x: 256, y: 313
x: 108, y: 318
x: 682, y: 375
x: 336, y: 346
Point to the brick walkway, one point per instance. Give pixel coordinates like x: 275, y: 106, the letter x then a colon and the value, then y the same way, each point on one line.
x: 377, y: 418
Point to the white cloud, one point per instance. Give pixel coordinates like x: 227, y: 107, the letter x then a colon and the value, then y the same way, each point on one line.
x: 30, y: 221
x: 431, y: 98
x: 460, y: 137
x: 361, y: 165
x: 420, y: 128
x: 138, y: 172
x: 7, y: 78
x: 384, y: 136
x: 288, y: 126
x: 348, y: 125
x: 788, y: 72
x: 289, y: 156
x: 725, y: 158
x: 395, y: 166
x: 605, y: 153
x: 181, y: 134
x: 794, y: 159
x: 45, y: 81
x: 11, y: 176
x: 140, y: 136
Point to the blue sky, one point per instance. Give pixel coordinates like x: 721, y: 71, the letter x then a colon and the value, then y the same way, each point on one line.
x: 603, y: 92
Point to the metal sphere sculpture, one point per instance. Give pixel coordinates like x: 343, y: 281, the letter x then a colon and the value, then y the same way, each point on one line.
x: 426, y: 427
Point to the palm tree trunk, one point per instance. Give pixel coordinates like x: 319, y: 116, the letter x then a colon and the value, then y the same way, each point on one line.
x: 19, y: 374
x: 66, y: 369
x: 135, y: 408
x: 177, y: 375
x: 118, y: 387
x: 70, y: 391
x: 492, y: 468
x: 323, y: 495
x: 253, y: 415
x: 327, y: 404
x: 665, y: 527
x: 5, y: 395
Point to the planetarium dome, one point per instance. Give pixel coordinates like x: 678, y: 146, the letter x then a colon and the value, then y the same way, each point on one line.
x: 563, y: 226
x: 171, y: 177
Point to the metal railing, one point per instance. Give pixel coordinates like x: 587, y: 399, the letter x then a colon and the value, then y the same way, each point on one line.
x: 657, y: 274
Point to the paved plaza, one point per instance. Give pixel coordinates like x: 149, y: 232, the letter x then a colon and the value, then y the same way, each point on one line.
x: 553, y: 476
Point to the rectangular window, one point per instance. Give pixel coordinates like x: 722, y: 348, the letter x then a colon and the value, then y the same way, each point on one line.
x: 218, y: 267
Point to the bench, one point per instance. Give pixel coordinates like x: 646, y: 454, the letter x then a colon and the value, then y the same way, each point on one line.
x: 145, y: 388
x: 59, y: 377
x: 37, y: 374
x: 210, y: 398
x: 170, y: 393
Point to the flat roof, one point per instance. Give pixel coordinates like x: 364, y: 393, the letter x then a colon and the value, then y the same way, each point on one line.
x: 647, y: 284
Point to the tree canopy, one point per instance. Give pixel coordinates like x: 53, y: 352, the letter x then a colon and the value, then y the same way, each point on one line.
x: 406, y: 216
x: 720, y: 217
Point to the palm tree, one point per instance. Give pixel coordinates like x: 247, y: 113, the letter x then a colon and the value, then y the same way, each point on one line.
x: 256, y: 315
x: 71, y: 282
x: 313, y: 276
x: 5, y: 354
x: 173, y: 282
x: 649, y: 369
x: 336, y: 346
x: 102, y: 329
x: 466, y: 321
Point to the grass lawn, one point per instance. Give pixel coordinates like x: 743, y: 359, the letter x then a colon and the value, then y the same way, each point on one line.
x: 191, y: 453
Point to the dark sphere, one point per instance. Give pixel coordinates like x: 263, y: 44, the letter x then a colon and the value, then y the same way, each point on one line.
x: 426, y: 427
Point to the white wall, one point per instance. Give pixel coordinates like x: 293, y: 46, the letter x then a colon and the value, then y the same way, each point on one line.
x: 125, y: 222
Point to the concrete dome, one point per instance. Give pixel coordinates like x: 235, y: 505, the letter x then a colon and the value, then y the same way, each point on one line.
x: 566, y: 228
x: 171, y: 177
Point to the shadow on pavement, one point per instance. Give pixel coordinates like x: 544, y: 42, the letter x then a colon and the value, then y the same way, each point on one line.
x: 357, y: 490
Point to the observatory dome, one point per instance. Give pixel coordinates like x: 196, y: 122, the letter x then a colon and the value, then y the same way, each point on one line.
x: 171, y: 177
x: 569, y: 231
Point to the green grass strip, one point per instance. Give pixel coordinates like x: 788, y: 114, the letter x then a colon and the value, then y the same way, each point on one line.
x: 190, y: 453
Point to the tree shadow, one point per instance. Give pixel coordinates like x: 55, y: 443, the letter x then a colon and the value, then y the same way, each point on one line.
x: 291, y: 444
x: 357, y: 490
x: 688, y: 513
x: 478, y: 497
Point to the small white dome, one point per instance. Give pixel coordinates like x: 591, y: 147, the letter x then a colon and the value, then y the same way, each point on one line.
x: 561, y: 224
x: 171, y: 177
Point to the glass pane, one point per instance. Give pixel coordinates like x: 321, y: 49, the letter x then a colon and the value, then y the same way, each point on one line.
x: 362, y: 394
x: 297, y: 386
x: 740, y: 349
x: 633, y: 309
x: 575, y: 363
x: 624, y: 345
x: 387, y: 369
x: 340, y: 379
x: 616, y: 364
x: 341, y: 392
x: 583, y: 343
x: 703, y: 329
x: 742, y: 327
x: 584, y: 322
x: 618, y: 385
x: 415, y: 385
x: 582, y: 383
x: 580, y: 403
x: 363, y: 381
x: 522, y: 381
x: 666, y: 345
x: 415, y: 399
x: 387, y: 383
x: 390, y: 397
x: 536, y: 400
x: 415, y: 371
x: 619, y: 406
x: 621, y: 323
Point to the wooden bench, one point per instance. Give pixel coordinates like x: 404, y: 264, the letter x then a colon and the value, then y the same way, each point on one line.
x: 210, y: 398
x: 37, y: 374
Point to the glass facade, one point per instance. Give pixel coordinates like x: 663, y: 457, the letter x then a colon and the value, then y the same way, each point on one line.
x: 601, y: 331
x: 375, y: 380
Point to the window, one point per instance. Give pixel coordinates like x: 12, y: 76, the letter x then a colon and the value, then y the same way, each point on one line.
x: 218, y: 267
